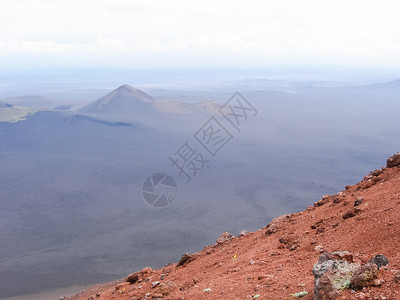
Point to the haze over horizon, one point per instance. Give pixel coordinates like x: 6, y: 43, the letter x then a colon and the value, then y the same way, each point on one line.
x: 181, y: 34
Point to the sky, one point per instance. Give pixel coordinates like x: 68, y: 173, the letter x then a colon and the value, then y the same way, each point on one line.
x: 189, y: 34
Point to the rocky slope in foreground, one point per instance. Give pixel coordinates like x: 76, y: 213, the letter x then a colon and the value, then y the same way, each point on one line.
x: 277, y: 261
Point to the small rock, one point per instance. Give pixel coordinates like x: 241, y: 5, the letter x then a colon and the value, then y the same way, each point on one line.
x: 157, y: 296
x: 154, y: 284
x: 121, y: 285
x: 300, y: 294
x: 322, y: 201
x: 376, y: 172
x: 351, y: 213
x: 226, y: 236
x: 237, y: 269
x: 377, y: 282
x: 380, y: 260
x: 138, y: 276
x: 165, y: 288
x: 358, y: 201
x: 393, y: 161
x: 366, y: 184
x: 209, y: 251
x: 397, y: 276
x: 186, y: 258
x: 252, y: 262
x: 207, y: 290
x: 319, y: 248
x: 98, y: 294
x: 243, y: 232
x: 271, y: 230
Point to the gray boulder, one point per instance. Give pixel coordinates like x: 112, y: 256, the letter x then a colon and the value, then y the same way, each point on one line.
x: 332, y: 273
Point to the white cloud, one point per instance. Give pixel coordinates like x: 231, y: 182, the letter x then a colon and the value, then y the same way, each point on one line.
x: 238, y: 31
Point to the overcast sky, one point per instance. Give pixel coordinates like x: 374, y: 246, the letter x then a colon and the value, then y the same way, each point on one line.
x: 185, y: 33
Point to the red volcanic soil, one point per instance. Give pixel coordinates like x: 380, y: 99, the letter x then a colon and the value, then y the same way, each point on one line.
x: 276, y: 261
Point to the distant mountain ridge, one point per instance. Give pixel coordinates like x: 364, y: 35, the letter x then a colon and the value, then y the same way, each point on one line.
x: 33, y: 101
x: 5, y: 105
x: 122, y: 100
x: 128, y: 102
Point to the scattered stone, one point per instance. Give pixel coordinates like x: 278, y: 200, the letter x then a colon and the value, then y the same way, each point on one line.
x: 207, y: 290
x: 90, y: 298
x: 252, y: 262
x: 332, y: 273
x: 98, y: 294
x: 358, y: 201
x: 397, y: 276
x: 322, y: 201
x: 154, y: 284
x: 364, y: 275
x: 351, y: 213
x: 271, y: 230
x: 376, y: 173
x: 237, y: 269
x: 256, y: 296
x: 243, y: 232
x: 380, y: 260
x: 366, y: 184
x: 300, y: 294
x: 377, y: 282
x: 165, y: 288
x: 121, y: 285
x: 140, y: 275
x: 186, y: 258
x: 339, y: 197
x: 209, y: 251
x: 393, y: 161
x: 226, y: 236
x: 289, y: 242
x: 319, y: 248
